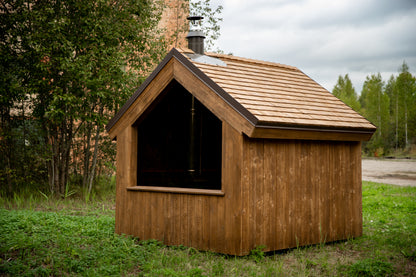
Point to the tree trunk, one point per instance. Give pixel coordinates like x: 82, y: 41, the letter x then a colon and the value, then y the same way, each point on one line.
x: 397, y: 120
x: 87, y: 149
x: 60, y: 139
x: 405, y: 126
x: 94, y: 160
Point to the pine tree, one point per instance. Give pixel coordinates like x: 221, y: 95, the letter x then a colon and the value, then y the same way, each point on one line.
x: 345, y: 91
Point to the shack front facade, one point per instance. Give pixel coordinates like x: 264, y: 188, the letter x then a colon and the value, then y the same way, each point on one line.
x: 225, y: 154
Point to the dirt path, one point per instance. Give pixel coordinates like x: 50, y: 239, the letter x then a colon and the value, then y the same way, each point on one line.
x: 395, y: 172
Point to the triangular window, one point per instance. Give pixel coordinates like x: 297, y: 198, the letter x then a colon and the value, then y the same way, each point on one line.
x: 179, y: 142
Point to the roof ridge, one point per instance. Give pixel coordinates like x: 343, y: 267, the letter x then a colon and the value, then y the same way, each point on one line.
x: 255, y: 61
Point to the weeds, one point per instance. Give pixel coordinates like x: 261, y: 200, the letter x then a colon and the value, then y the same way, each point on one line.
x: 257, y: 253
x: 369, y: 267
x: 69, y: 236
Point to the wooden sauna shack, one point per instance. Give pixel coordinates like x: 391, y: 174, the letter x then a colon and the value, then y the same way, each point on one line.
x: 225, y: 154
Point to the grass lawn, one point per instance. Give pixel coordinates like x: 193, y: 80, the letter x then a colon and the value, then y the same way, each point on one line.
x: 49, y: 237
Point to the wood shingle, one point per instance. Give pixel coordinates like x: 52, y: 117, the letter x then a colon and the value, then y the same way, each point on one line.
x: 278, y: 94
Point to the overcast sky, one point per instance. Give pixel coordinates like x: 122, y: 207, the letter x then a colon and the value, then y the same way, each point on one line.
x: 323, y: 38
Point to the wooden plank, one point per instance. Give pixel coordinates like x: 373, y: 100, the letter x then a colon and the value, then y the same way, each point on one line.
x: 213, y: 223
x: 270, y: 184
x: 280, y: 196
x: 198, y: 214
x: 220, y: 225
x: 308, y: 184
x: 231, y: 179
x: 178, y: 190
x: 256, y: 148
x: 348, y: 185
x: 123, y: 179
x: 228, y: 174
x: 315, y: 183
x: 357, y: 190
x: 176, y: 218
x: 246, y: 242
x: 325, y: 192
x: 275, y: 133
x: 159, y: 216
x: 291, y: 195
x: 206, y: 238
x: 186, y: 220
x: 168, y: 230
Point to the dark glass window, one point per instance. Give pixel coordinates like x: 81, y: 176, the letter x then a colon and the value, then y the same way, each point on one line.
x: 179, y: 143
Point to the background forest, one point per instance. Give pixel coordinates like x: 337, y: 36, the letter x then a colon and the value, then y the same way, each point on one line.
x: 68, y: 66
x: 391, y: 106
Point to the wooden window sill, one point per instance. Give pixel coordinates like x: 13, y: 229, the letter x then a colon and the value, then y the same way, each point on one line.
x: 178, y: 190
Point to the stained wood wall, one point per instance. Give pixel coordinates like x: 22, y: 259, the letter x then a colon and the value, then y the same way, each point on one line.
x: 300, y: 192
x: 277, y: 193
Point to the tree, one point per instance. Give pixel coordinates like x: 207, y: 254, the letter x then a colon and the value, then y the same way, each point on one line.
x: 406, y: 92
x: 345, y: 91
x: 78, y: 61
x: 402, y: 93
x: 375, y: 107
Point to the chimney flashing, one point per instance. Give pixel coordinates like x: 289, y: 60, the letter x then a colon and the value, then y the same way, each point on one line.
x: 205, y: 59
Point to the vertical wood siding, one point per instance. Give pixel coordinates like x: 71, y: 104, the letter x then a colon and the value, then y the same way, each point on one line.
x: 205, y: 222
x: 277, y: 193
x: 300, y: 192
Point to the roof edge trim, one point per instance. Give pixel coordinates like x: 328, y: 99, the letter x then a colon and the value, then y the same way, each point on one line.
x: 317, y: 129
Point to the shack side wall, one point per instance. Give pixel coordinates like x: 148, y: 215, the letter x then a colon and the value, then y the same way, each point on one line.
x: 298, y: 192
x: 277, y: 193
x: 204, y: 222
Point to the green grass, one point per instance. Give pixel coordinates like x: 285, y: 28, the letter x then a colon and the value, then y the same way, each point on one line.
x: 76, y: 238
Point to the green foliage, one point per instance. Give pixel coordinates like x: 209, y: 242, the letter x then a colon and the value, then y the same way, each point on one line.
x: 402, y: 93
x: 392, y: 108
x: 345, y: 91
x: 72, y: 63
x: 369, y: 267
x: 375, y: 107
x: 79, y: 240
x: 257, y: 253
x: 22, y: 151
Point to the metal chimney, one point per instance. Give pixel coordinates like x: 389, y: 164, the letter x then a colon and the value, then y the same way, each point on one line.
x: 195, y: 36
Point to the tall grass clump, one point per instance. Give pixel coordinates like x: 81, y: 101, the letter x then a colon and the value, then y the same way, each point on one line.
x: 74, y: 201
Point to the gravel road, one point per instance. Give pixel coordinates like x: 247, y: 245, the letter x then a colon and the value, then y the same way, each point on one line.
x: 396, y: 172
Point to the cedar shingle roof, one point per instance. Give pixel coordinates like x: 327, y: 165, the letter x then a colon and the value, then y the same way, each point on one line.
x: 279, y: 94
x: 268, y: 96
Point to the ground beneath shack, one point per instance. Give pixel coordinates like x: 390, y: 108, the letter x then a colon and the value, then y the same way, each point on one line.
x: 400, y: 172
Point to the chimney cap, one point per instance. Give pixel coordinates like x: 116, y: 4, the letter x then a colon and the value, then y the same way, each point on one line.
x: 196, y: 35
x: 194, y: 17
